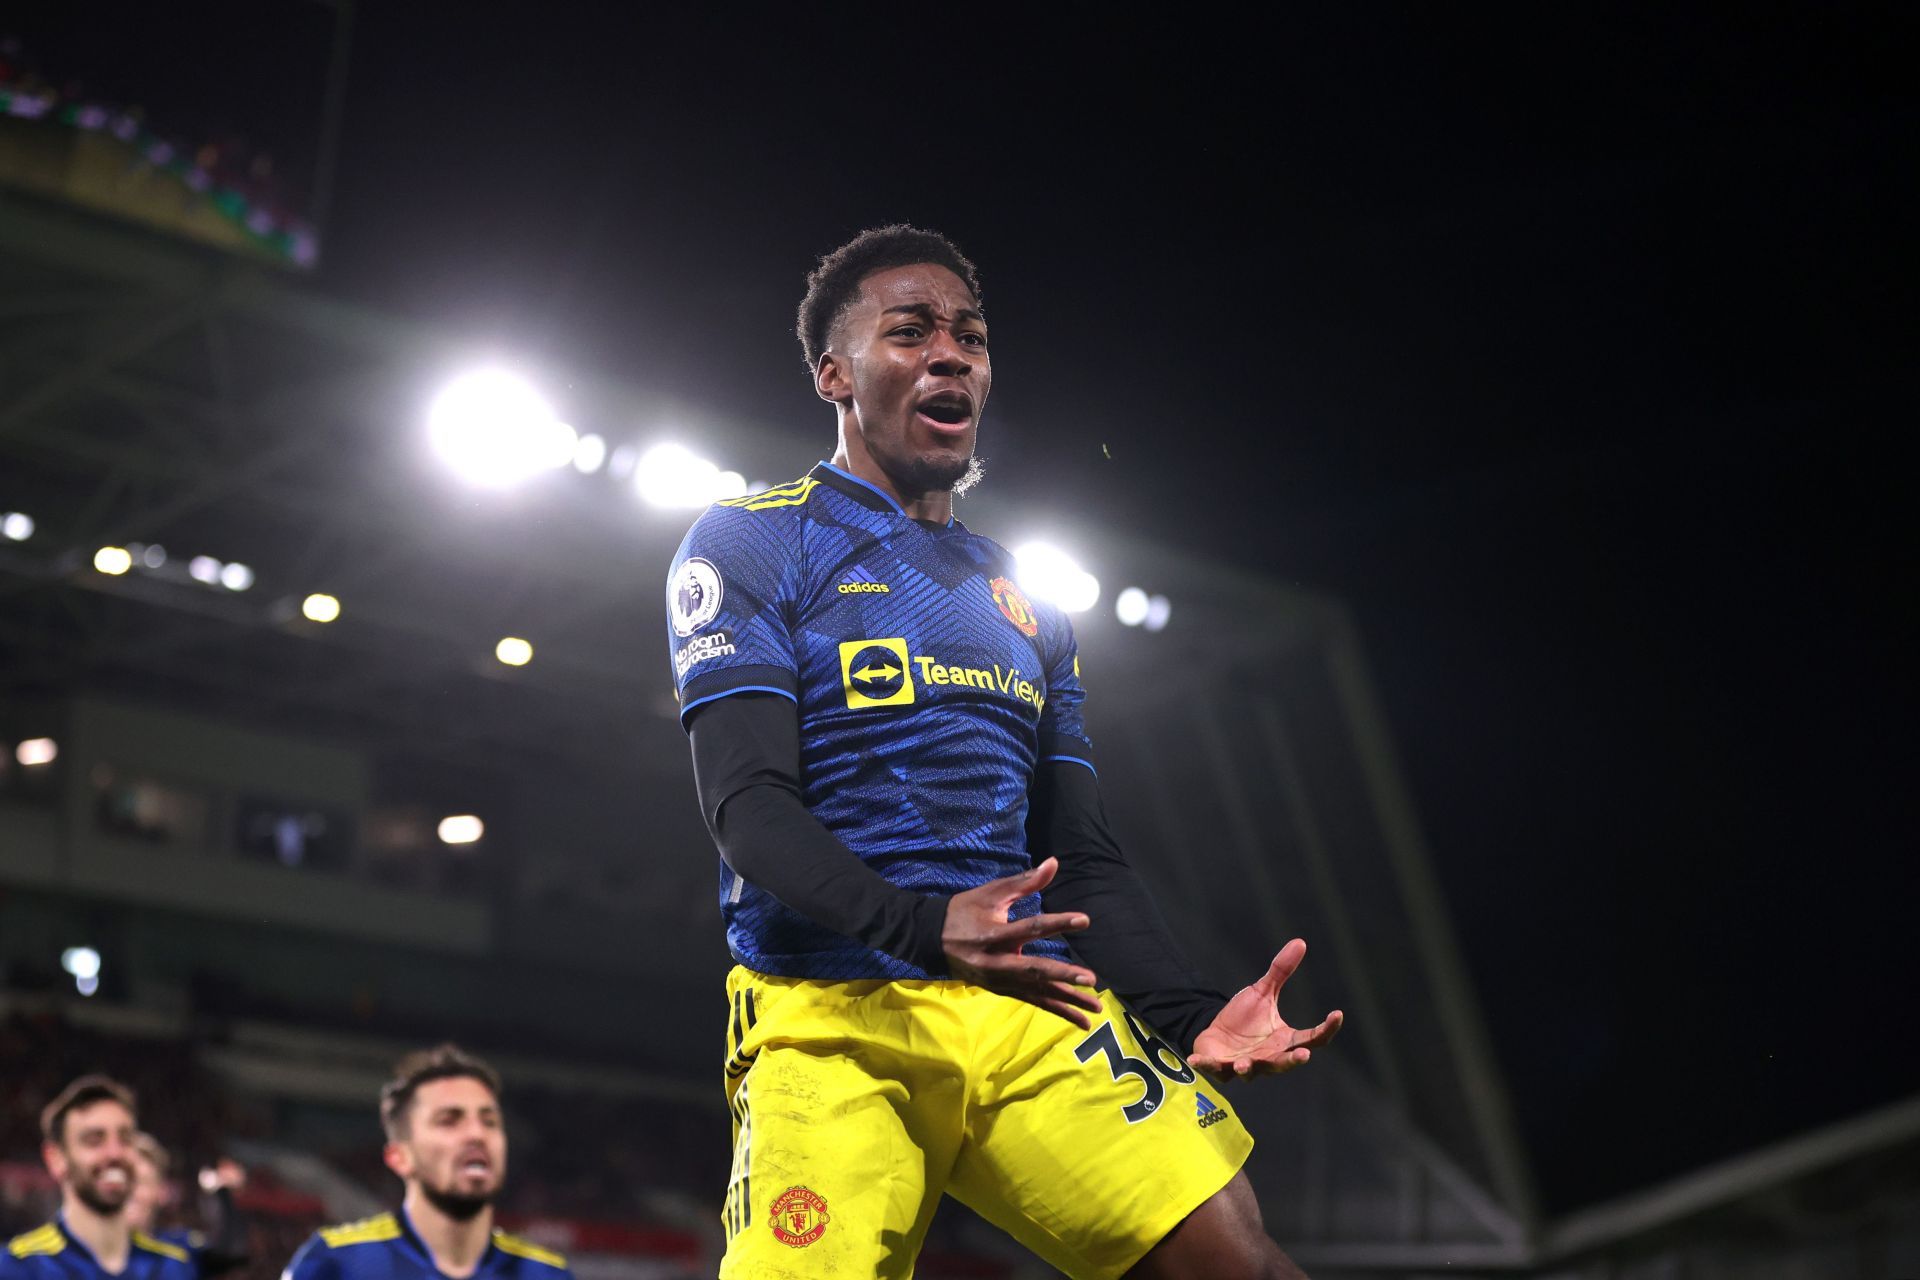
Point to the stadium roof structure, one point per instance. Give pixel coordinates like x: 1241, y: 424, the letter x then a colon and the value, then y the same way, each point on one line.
x: 156, y: 392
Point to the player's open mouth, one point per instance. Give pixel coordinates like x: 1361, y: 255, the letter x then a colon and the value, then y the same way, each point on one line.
x: 114, y: 1177
x: 947, y: 411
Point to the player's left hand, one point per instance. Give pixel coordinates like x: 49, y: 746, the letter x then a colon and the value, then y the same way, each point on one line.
x: 1250, y: 1038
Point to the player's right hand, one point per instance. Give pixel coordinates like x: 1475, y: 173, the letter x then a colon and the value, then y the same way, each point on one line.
x: 985, y: 948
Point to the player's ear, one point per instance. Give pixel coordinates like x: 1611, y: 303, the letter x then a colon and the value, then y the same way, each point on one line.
x: 56, y: 1160
x: 830, y: 378
x: 398, y: 1159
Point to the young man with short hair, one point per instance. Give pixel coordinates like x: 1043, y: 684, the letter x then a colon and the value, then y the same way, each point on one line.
x: 890, y: 752
x: 87, y: 1141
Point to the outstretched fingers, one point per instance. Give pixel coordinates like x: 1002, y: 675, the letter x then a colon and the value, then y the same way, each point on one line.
x: 1281, y: 969
x: 1022, y: 883
x: 1315, y: 1037
x: 1034, y: 928
x: 1266, y: 1060
x: 1071, y: 1012
x: 1050, y: 984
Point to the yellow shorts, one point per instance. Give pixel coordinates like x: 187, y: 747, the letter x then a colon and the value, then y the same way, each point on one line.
x: 855, y: 1104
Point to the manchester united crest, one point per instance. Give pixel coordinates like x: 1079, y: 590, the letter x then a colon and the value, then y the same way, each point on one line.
x: 1013, y: 603
x: 799, y: 1217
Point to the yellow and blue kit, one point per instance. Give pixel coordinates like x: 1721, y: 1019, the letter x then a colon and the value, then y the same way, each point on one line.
x: 386, y: 1247
x: 881, y: 718
x: 51, y: 1252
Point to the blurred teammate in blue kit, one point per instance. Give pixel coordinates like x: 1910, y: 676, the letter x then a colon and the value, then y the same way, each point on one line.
x: 447, y: 1142
x: 87, y: 1140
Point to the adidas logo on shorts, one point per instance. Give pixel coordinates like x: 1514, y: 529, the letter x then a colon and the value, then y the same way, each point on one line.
x: 1207, y: 1111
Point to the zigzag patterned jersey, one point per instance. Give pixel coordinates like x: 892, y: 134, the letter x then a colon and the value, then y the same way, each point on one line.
x: 928, y: 686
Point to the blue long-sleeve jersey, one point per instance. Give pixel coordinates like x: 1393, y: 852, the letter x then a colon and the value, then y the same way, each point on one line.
x: 928, y: 687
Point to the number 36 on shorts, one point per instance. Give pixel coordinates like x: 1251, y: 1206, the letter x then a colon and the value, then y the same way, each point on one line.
x: 1159, y: 1059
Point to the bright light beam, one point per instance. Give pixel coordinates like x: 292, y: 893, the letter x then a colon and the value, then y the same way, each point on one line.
x: 1052, y: 574
x: 320, y: 607
x: 589, y: 454
x: 35, y: 752
x: 461, y: 828
x: 495, y: 431
x: 84, y: 964
x: 672, y: 476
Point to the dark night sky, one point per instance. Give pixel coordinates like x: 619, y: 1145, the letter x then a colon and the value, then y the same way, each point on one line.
x: 1561, y: 344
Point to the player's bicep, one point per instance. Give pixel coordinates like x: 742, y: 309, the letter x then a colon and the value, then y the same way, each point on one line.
x: 747, y: 740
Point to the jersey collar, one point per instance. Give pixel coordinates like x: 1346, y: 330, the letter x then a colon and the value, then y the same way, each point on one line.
x: 412, y: 1237
x: 75, y: 1242
x: 867, y: 495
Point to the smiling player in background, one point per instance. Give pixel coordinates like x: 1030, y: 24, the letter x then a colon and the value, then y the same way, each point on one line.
x: 87, y: 1141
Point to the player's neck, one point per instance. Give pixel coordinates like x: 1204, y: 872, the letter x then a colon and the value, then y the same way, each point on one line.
x: 106, y: 1235
x: 934, y: 505
x: 457, y: 1244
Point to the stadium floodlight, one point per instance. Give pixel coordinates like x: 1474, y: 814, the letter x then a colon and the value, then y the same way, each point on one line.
x: 234, y: 576
x: 1052, y: 574
x: 1131, y: 607
x: 514, y: 651
x: 320, y: 607
x: 84, y: 964
x: 589, y: 454
x: 16, y: 526
x: 1159, y: 609
x: 461, y: 828
x: 670, y: 475
x: 495, y: 430
x: 204, y: 569
x: 113, y: 561
x: 34, y: 752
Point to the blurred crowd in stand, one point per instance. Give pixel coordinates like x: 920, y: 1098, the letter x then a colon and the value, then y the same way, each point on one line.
x: 224, y: 164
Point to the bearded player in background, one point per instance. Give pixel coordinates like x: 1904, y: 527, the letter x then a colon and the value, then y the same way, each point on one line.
x: 87, y: 1141
x: 447, y: 1143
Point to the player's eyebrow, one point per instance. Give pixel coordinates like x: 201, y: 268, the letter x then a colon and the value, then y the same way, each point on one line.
x: 926, y: 309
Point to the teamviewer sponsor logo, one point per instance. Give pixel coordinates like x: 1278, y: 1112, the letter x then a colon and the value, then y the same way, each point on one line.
x: 874, y: 673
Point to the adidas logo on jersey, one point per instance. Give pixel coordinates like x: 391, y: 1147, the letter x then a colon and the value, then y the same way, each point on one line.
x: 860, y: 588
x: 1207, y: 1111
